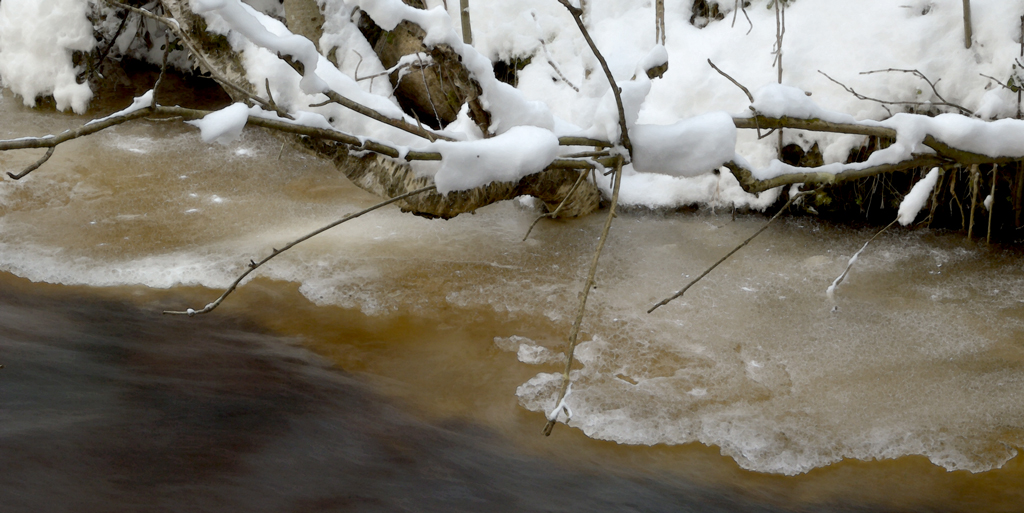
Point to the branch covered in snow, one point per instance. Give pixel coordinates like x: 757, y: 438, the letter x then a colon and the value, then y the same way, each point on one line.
x: 503, y: 152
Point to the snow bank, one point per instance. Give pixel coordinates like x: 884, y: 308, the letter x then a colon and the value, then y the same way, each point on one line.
x: 36, y: 43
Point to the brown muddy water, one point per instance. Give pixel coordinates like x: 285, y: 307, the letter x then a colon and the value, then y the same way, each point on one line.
x: 397, y: 363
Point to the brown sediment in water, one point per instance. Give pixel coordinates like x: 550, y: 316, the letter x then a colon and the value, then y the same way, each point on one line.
x: 447, y: 372
x: 446, y: 367
x: 109, y: 406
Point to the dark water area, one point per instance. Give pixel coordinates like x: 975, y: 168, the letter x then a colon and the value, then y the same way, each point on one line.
x: 108, y: 406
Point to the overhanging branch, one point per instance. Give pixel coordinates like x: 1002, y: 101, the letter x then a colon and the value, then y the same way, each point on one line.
x: 813, y: 178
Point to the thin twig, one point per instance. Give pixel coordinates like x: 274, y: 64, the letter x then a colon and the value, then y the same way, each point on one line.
x: 992, y: 204
x: 547, y: 55
x: 931, y: 84
x: 832, y: 288
x: 975, y: 188
x: 33, y: 167
x: 996, y: 80
x: 553, y: 214
x: 741, y: 6
x: 400, y: 124
x: 887, y: 102
x: 667, y: 300
x: 255, y: 265
x: 967, y: 23
x: 587, y: 155
x: 163, y: 71
x: 426, y: 87
x: 733, y: 80
x: 659, y: 22
x: 780, y: 32
x: 577, y: 14
x: 103, y: 54
x: 582, y: 307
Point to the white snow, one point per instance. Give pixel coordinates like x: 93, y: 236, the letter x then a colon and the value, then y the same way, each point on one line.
x: 246, y: 20
x: 1004, y: 137
x: 914, y: 201
x: 658, y: 56
x: 36, y: 43
x: 689, y: 147
x: 507, y: 157
x: 138, y: 103
x: 223, y: 126
x: 777, y: 100
x: 564, y: 90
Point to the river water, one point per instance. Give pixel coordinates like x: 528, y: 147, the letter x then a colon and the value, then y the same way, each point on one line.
x: 402, y: 363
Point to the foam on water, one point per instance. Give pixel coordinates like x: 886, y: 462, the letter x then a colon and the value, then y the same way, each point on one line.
x: 921, y: 355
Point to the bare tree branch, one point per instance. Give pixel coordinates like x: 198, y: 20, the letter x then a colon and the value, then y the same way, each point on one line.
x: 34, y: 166
x: 941, y: 101
x: 667, y: 300
x: 553, y: 214
x: 256, y: 265
x: 159, y: 113
x: 733, y: 80
x: 50, y: 141
x: 835, y: 284
x: 997, y: 81
x: 577, y: 14
x: 812, y: 177
x: 922, y: 76
x: 589, y: 284
x: 741, y: 6
x: 401, y: 124
x: 967, y: 23
x: 659, y: 22
x: 467, y: 28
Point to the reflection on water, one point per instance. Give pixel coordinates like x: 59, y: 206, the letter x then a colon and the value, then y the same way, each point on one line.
x: 917, y: 362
